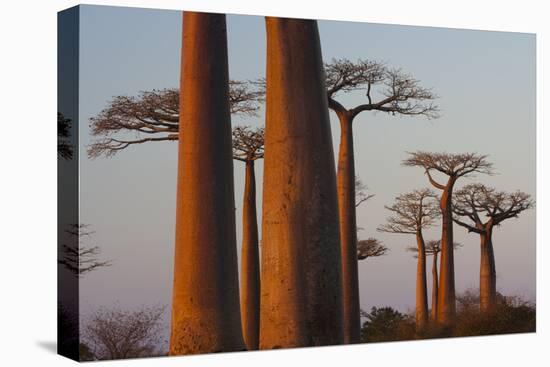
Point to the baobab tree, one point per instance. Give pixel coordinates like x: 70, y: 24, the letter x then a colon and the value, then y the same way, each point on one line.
x: 411, y: 214
x: 371, y: 247
x: 386, y: 90
x: 480, y: 209
x: 301, y: 298
x: 454, y: 166
x: 153, y: 116
x: 205, y: 302
x: 433, y: 248
x: 361, y: 195
x: 248, y: 146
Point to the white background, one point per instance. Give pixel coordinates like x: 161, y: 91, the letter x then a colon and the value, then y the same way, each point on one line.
x: 28, y: 182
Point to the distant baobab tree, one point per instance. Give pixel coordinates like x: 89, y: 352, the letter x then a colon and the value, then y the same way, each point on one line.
x: 479, y: 209
x: 206, y: 315
x: 153, y: 116
x: 301, y: 298
x: 454, y: 166
x: 411, y: 213
x: 361, y: 195
x: 64, y: 146
x: 81, y: 259
x: 386, y: 90
x: 371, y: 247
x: 116, y: 333
x: 433, y: 248
x: 248, y: 146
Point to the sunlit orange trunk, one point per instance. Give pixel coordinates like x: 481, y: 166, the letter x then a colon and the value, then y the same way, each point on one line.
x: 205, y: 307
x: 250, y: 264
x: 348, y: 231
x: 301, y: 298
x: 421, y: 312
x: 487, y: 274
x: 434, y: 287
x: 446, y: 305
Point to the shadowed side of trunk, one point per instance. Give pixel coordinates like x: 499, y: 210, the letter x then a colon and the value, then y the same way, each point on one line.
x: 301, y: 298
x: 487, y: 274
x: 435, y: 287
x: 421, y: 285
x: 348, y: 232
x: 205, y: 307
x: 446, y: 304
x: 250, y: 263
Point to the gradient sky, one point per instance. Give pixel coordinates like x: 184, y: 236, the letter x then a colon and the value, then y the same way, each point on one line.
x: 486, y: 84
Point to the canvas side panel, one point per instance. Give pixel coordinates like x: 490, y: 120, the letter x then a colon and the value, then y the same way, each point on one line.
x: 68, y: 183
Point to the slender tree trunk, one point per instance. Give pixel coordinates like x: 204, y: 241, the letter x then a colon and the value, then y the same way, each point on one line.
x: 205, y: 308
x: 250, y: 268
x: 421, y: 286
x: 301, y: 299
x: 434, y: 288
x: 348, y: 232
x: 446, y: 305
x: 487, y: 274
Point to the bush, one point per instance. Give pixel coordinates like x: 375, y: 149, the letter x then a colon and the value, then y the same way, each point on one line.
x: 386, y: 324
x: 511, y: 315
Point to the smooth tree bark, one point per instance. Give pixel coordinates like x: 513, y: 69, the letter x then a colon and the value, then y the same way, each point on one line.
x: 301, y: 297
x: 453, y: 166
x: 470, y: 205
x: 387, y: 90
x: 205, y: 304
x: 248, y: 145
x: 413, y: 212
x: 433, y: 248
x: 435, y: 287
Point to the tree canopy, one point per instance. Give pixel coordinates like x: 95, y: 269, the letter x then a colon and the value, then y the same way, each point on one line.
x: 480, y: 205
x: 452, y: 165
x: 153, y: 116
x: 386, y: 89
x: 371, y: 247
x: 412, y: 212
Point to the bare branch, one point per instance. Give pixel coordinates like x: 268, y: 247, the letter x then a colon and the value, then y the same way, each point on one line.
x: 360, y: 192
x: 81, y: 259
x: 431, y: 247
x: 248, y: 143
x: 387, y: 90
x: 115, y: 333
x: 453, y: 165
x: 476, y: 200
x: 413, y: 212
x: 157, y: 113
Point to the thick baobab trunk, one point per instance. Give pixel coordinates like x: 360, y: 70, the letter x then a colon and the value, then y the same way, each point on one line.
x: 348, y: 232
x: 205, y: 308
x: 446, y: 305
x: 487, y: 273
x: 421, y: 286
x: 250, y: 264
x: 301, y: 298
x: 435, y: 287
